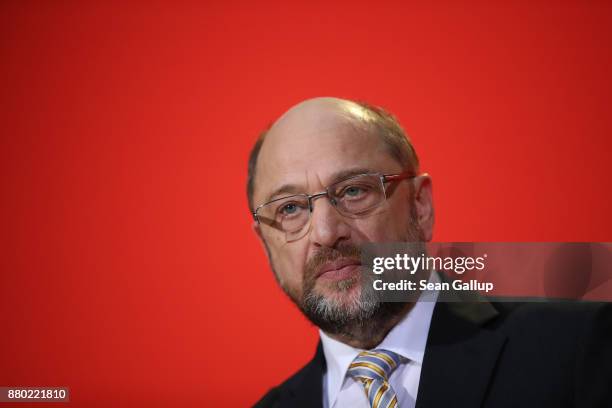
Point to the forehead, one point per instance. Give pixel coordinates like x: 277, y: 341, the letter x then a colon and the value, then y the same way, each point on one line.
x: 309, y: 148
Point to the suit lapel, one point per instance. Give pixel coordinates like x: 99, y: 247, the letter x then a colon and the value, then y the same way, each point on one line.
x: 460, y: 355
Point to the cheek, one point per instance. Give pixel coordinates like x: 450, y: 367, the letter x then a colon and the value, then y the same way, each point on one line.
x: 288, y: 261
x: 388, y: 225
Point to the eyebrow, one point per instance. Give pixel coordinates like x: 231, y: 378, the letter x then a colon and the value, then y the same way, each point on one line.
x: 292, y: 189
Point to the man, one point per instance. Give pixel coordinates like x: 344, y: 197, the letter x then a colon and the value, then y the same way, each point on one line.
x: 331, y: 175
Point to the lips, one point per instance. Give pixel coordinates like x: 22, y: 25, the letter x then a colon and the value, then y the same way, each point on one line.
x: 338, y: 269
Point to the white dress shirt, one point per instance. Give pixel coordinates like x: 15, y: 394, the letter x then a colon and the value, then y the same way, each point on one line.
x: 408, y: 339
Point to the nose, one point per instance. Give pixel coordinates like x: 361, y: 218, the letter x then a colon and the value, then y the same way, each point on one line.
x: 327, y: 226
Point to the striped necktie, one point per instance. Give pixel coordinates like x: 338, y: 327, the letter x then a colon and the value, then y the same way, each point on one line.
x: 373, y: 368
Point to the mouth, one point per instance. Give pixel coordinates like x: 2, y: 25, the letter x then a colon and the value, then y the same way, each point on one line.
x: 339, y: 269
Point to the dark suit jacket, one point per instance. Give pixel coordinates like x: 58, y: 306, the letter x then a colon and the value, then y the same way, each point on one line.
x: 497, y: 355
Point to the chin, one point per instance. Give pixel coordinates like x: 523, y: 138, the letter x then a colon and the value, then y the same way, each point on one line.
x: 345, y: 293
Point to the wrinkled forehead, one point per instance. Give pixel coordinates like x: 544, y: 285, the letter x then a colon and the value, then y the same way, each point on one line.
x: 309, y: 148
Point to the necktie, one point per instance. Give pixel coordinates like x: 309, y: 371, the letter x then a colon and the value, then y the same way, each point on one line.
x: 373, y: 368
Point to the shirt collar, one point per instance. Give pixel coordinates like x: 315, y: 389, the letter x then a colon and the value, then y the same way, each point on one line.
x: 408, y: 339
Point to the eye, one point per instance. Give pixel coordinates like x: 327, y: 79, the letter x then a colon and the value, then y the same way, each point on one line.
x: 288, y: 209
x: 353, y: 191
x: 291, y: 209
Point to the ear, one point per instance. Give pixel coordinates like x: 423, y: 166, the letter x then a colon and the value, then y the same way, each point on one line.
x: 423, y: 200
x: 257, y: 230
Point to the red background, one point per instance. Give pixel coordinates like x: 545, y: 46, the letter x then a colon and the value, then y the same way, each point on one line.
x: 129, y: 271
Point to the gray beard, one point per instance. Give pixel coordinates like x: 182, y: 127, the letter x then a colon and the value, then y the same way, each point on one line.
x: 364, y: 315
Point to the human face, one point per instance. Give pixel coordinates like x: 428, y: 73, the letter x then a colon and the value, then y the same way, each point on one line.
x: 305, y: 152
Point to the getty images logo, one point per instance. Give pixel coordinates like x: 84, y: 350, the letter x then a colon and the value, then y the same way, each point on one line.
x: 412, y: 264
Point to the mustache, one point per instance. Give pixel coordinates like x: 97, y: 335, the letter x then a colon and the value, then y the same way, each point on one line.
x: 326, y: 254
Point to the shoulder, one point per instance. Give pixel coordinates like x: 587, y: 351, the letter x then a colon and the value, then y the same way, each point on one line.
x: 305, y: 384
x: 276, y: 394
x: 273, y: 397
x: 549, y: 327
x: 557, y: 325
x: 548, y: 351
x: 270, y: 399
x: 558, y: 343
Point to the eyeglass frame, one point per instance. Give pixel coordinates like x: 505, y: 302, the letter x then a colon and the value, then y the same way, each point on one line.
x: 384, y: 178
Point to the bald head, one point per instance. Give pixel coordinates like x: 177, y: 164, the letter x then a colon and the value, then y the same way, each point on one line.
x: 323, y: 112
x: 315, y: 121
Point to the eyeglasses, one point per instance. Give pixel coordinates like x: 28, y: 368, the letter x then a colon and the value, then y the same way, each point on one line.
x: 353, y: 197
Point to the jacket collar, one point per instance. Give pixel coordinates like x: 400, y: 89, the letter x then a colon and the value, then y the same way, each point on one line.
x: 460, y: 355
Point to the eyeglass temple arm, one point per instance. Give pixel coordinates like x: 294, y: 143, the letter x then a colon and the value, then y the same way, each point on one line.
x: 396, y: 177
x: 266, y: 221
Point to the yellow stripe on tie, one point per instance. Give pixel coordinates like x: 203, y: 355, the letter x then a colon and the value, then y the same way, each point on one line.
x: 379, y: 394
x: 368, y: 384
x: 371, y: 366
x: 393, y: 402
x: 386, y: 358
